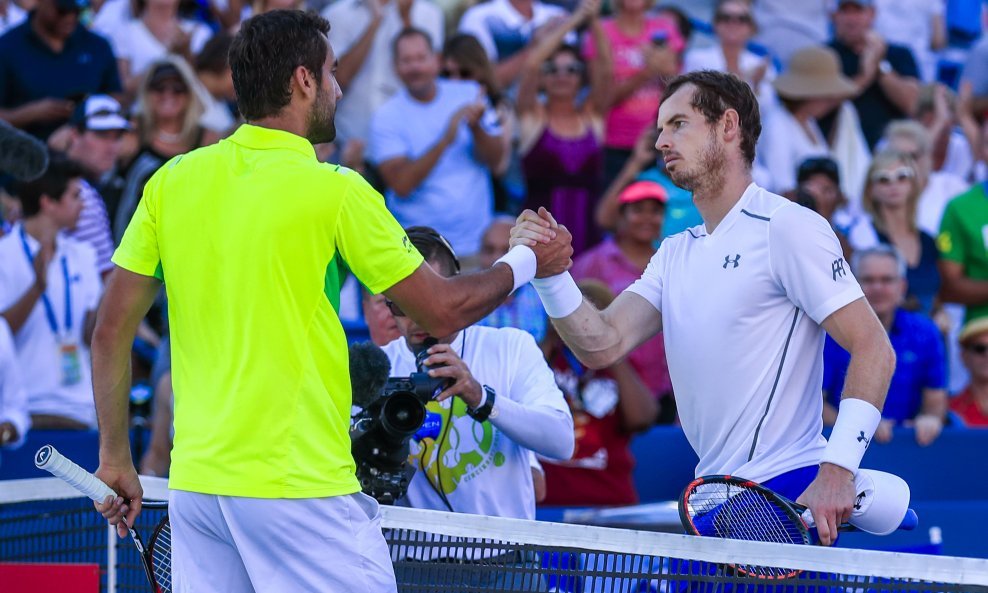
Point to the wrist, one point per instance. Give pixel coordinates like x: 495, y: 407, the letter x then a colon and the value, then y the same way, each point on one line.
x: 523, y: 263
x: 857, y: 421
x: 559, y: 294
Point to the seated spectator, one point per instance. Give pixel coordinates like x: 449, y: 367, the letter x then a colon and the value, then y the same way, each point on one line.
x: 645, y: 49
x: 507, y: 30
x: 734, y: 27
x: 608, y: 406
x: 214, y: 74
x: 950, y: 129
x: 976, y: 73
x: 812, y: 86
x: 621, y: 260
x: 936, y: 187
x: 522, y: 309
x: 560, y: 140
x: 971, y: 404
x: 885, y: 74
x: 917, y: 395
x: 891, y: 199
x: 362, y: 35
x: 11, y: 15
x: 819, y: 178
x: 167, y: 125
x: 49, y: 290
x: 916, y: 24
x: 14, y: 418
x: 435, y: 144
x: 40, y: 74
x: 156, y: 32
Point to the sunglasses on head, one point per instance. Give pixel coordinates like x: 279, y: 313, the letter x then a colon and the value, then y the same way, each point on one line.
x: 725, y: 17
x: 550, y: 68
x: 886, y: 177
x: 462, y: 73
x: 394, y: 308
x: 977, y: 348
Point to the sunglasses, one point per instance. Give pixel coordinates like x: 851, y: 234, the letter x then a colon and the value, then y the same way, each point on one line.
x: 174, y: 89
x: 723, y: 17
x: 462, y: 73
x: 977, y: 348
x: 571, y: 69
x: 394, y: 308
x: 887, y: 177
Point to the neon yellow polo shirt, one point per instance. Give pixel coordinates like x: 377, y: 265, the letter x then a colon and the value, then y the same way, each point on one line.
x: 251, y: 236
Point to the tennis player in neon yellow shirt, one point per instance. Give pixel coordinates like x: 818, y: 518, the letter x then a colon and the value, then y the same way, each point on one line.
x: 251, y: 237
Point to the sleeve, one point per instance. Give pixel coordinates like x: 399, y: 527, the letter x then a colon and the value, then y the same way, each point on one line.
x: 935, y: 373
x: 138, y: 251
x: 534, y: 414
x: 385, y: 141
x: 13, y: 396
x: 474, y: 23
x: 807, y: 261
x: 649, y: 286
x: 902, y: 61
x: 950, y: 241
x: 370, y: 240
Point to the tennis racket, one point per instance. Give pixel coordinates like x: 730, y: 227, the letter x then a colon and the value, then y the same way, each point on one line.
x: 156, y: 557
x: 734, y: 508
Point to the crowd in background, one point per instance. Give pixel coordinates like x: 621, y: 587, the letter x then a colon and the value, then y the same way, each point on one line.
x: 462, y: 113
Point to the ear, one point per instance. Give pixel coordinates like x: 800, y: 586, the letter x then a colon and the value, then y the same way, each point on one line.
x: 731, y: 126
x: 305, y: 82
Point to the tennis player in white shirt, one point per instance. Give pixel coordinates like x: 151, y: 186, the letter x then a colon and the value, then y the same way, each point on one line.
x: 743, y: 301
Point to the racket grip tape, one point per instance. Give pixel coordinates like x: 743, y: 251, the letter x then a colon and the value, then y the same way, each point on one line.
x: 48, y: 458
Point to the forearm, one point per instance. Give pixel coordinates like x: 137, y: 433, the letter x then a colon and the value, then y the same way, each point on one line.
x: 870, y: 370
x: 627, y: 87
x: 111, y: 389
x: 506, y: 71
x: 934, y: 403
x: 965, y: 291
x: 608, y: 211
x: 412, y: 173
x: 588, y: 334
x: 637, y: 404
x: 19, y: 117
x: 351, y: 62
x: 902, y: 91
x: 487, y: 149
x: 542, y: 429
x: 18, y: 313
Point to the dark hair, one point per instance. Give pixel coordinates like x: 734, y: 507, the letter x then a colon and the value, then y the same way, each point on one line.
x: 215, y: 55
x: 265, y: 54
x: 683, y: 23
x: 434, y: 247
x: 469, y: 53
x: 716, y: 92
x: 61, y: 170
x: 818, y: 165
x: 406, y: 33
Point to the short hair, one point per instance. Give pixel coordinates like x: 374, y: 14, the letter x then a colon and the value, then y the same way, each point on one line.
x: 434, y: 247
x: 880, y: 250
x: 61, y: 171
x: 407, y: 33
x: 265, y: 54
x: 910, y: 130
x: 215, y: 55
x: 716, y: 92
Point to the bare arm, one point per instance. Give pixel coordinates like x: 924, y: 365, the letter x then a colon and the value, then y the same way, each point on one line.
x: 956, y: 287
x: 660, y: 62
x: 601, y: 70
x: 637, y: 405
x: 902, y: 91
x: 929, y: 422
x: 403, y: 175
x: 856, y: 328
x: 37, y: 111
x: 642, y: 155
x: 18, y: 313
x: 506, y: 71
x: 938, y: 27
x: 487, y: 149
x: 353, y: 60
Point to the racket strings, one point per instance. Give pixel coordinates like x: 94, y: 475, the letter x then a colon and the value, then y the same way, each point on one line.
x: 161, y: 556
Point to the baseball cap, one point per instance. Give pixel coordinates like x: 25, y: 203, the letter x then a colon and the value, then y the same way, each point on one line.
x: 865, y: 3
x: 643, y: 190
x: 100, y: 113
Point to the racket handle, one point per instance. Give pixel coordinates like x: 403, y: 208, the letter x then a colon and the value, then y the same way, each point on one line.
x: 48, y: 458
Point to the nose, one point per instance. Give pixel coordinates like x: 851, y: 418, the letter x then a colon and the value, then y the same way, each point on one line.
x: 662, y: 142
x: 337, y: 89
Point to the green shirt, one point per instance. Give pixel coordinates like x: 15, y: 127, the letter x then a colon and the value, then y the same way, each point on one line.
x: 251, y: 236
x: 964, y: 239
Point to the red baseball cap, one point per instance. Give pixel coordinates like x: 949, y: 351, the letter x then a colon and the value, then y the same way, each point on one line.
x: 643, y: 190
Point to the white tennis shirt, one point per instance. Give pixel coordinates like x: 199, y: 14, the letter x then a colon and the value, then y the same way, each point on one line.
x: 741, y: 311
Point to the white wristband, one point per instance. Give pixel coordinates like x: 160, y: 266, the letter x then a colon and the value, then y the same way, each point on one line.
x: 560, y: 295
x: 523, y: 263
x: 857, y: 421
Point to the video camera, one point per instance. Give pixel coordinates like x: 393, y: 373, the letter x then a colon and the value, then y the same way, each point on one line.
x: 391, y: 414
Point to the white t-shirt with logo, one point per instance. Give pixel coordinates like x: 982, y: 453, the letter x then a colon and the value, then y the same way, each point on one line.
x: 741, y: 312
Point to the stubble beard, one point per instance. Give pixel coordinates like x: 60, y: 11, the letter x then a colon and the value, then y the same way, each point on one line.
x: 707, y: 174
x: 322, y: 124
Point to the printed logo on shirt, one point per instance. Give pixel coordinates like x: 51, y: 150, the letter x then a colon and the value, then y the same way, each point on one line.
x: 838, y: 268
x: 728, y: 261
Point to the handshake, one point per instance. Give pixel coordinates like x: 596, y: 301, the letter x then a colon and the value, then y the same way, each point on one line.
x: 551, y: 241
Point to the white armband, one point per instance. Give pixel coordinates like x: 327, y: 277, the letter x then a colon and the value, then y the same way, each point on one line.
x: 560, y: 295
x: 523, y: 263
x: 856, y: 423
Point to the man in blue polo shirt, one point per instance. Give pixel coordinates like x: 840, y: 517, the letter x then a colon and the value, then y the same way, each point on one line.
x: 917, y: 395
x: 48, y: 63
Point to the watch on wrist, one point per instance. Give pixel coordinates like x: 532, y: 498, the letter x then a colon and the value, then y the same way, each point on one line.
x: 485, y: 411
x: 885, y: 67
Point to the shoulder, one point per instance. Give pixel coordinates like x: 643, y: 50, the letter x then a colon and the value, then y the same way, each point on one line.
x: 966, y: 199
x: 95, y: 41
x: 765, y: 206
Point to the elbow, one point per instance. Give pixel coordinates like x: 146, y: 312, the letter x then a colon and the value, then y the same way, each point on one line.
x: 441, y: 322
x: 562, y: 447
x: 885, y: 358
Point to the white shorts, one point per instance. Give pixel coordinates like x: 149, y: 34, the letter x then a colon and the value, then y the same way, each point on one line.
x: 228, y: 544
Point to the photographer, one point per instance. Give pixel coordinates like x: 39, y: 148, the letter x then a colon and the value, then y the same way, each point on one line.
x: 499, y: 380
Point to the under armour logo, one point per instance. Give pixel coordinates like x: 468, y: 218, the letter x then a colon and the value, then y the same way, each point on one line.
x: 864, y: 439
x: 858, y: 499
x: 838, y: 268
x: 728, y: 260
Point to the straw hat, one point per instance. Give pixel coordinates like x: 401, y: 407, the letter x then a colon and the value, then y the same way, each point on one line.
x: 814, y: 72
x: 973, y: 329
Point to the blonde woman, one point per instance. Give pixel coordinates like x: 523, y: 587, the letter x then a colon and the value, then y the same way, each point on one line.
x: 891, y: 199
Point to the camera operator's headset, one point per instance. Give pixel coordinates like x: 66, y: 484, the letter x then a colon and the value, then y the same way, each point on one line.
x: 423, y: 237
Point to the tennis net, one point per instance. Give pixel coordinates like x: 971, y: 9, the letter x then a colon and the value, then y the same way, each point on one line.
x: 44, y: 520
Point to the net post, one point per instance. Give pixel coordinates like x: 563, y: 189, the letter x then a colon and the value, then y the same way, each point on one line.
x: 111, y: 559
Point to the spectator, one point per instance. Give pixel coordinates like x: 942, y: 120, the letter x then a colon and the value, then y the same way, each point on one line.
x: 49, y: 290
x: 11, y: 15
x: 884, y: 74
x: 608, y: 406
x: 522, y: 309
x: 508, y: 29
x: 362, y: 36
x: 819, y: 178
x: 40, y: 77
x: 621, y: 260
x: 14, y: 418
x: 917, y: 395
x: 216, y: 77
x: 560, y: 140
x: 785, y: 27
x: 156, y: 32
x: 936, y: 187
x: 812, y: 86
x: 94, y: 141
x: 951, y: 130
x: 380, y: 322
x: 891, y: 199
x: 167, y: 125
x: 473, y: 450
x: 916, y: 24
x: 976, y: 73
x: 644, y: 49
x: 435, y: 144
x: 971, y: 404
x: 734, y: 27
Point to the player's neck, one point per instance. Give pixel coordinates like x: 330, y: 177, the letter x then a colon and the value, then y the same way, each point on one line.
x: 719, y: 196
